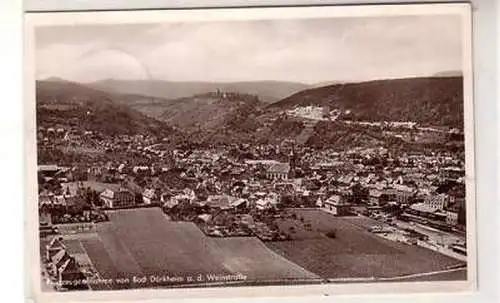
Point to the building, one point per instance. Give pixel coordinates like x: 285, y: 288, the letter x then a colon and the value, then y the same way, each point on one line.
x: 69, y: 271
x: 226, y: 202
x: 425, y: 214
x: 436, y: 202
x: 452, y: 173
x: 54, y: 246
x: 374, y: 196
x: 119, y: 198
x: 65, y: 269
x: 337, y: 206
x: 57, y: 260
x: 278, y: 171
x: 346, y: 179
x: 389, y: 195
x: 452, y: 218
x: 265, y: 203
x: 141, y: 170
x: 222, y: 202
x: 149, y: 196
x: 47, y: 171
x: 292, y: 163
x: 404, y: 194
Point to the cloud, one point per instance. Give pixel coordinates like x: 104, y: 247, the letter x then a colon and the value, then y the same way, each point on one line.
x: 312, y: 50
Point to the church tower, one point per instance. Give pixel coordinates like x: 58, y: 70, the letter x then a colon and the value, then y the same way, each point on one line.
x: 292, y: 160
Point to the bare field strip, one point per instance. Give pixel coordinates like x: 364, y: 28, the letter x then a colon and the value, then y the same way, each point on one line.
x: 251, y: 257
x: 124, y: 262
x: 101, y: 261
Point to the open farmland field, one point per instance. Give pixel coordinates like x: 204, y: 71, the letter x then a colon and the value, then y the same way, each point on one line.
x: 355, y: 252
x: 101, y: 261
x: 144, y: 243
x: 365, y: 222
x: 251, y: 257
x: 160, y: 246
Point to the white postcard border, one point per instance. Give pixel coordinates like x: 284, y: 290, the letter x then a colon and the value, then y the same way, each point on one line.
x: 67, y: 18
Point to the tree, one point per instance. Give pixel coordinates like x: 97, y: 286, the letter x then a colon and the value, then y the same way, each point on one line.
x: 359, y: 193
x: 138, y: 198
x: 461, y: 220
x: 332, y: 234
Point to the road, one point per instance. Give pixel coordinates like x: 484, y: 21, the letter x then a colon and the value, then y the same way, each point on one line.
x: 399, y: 278
x: 435, y: 236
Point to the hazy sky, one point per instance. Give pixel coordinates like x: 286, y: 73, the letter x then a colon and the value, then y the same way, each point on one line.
x: 309, y: 51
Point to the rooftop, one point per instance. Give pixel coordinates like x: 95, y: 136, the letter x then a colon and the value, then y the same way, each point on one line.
x: 49, y: 167
x: 279, y: 168
x: 424, y: 208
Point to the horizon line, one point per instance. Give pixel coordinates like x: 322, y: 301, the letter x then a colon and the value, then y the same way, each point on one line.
x: 435, y: 75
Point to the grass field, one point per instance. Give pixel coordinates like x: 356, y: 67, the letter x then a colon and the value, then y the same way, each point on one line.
x: 101, y: 261
x: 74, y: 247
x: 143, y: 242
x: 355, y: 252
x: 364, y: 222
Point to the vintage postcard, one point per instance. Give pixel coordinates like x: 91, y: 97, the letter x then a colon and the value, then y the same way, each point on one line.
x: 260, y: 151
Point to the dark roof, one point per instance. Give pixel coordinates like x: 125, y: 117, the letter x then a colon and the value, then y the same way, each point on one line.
x: 56, y: 242
x: 69, y: 265
x: 60, y: 257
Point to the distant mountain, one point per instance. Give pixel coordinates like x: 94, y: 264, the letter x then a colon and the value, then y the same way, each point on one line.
x: 59, y: 91
x: 68, y: 103
x: 452, y: 73
x: 428, y: 101
x: 326, y: 83
x: 268, y: 91
x: 55, y: 79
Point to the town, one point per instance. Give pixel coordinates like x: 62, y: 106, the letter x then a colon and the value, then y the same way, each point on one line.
x: 244, y: 190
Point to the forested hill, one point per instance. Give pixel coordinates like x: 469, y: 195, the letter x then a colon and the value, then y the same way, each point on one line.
x: 67, y: 103
x: 428, y: 101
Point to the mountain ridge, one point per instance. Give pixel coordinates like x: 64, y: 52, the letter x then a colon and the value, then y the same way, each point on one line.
x: 268, y: 90
x: 425, y: 100
x: 222, y: 117
x: 70, y: 103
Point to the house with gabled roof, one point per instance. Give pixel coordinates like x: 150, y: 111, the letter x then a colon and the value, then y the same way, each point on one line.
x: 68, y: 271
x: 337, y: 205
x: 374, y: 195
x: 49, y: 170
x: 119, y: 198
x: 58, y: 259
x: 278, y: 171
x: 54, y: 246
x: 265, y: 203
x: 149, y: 196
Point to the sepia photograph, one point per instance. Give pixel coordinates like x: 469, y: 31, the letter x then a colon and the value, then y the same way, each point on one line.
x: 251, y: 148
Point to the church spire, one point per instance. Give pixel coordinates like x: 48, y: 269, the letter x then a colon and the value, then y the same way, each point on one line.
x: 291, y: 160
